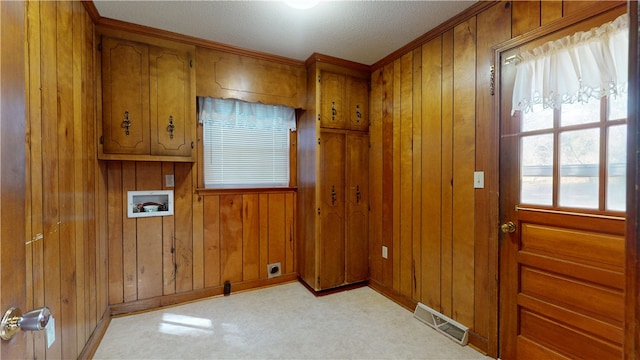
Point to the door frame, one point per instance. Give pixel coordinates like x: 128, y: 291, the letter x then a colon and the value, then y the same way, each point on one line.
x: 632, y: 270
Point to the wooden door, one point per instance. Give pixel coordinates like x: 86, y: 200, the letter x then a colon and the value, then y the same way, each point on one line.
x: 357, y: 208
x: 125, y: 97
x: 562, y: 251
x: 170, y: 102
x: 332, y: 109
x: 332, y: 207
x: 12, y: 170
x: 357, y: 93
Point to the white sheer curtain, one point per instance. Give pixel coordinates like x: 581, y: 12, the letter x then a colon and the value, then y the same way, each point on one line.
x: 245, y: 144
x: 576, y: 68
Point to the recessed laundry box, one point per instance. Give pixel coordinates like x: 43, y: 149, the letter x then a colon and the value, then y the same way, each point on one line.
x: 149, y: 203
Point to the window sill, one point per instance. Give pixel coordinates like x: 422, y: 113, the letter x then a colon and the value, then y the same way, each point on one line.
x: 237, y: 191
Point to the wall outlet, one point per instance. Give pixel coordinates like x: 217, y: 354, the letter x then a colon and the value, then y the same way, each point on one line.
x: 385, y: 252
x: 169, y: 181
x: 274, y: 270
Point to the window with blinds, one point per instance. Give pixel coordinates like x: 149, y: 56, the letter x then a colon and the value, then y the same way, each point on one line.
x: 245, y: 145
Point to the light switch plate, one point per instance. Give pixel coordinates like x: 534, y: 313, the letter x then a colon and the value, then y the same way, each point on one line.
x: 51, y: 331
x: 478, y: 179
x: 168, y: 180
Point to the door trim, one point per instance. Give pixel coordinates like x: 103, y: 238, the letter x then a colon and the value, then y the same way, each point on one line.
x: 632, y: 269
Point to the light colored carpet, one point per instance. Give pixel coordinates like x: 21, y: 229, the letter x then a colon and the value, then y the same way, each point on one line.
x: 284, y: 321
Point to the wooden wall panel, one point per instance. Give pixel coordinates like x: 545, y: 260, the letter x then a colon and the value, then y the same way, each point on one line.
x: 183, y: 223
x: 375, y: 178
x: 398, y: 262
x: 169, y: 242
x: 128, y: 234
x: 251, y: 236
x: 526, y: 16
x: 149, y: 235
x: 387, y: 175
x: 550, y: 10
x: 446, y: 247
x: 212, y: 241
x: 492, y: 30
x: 67, y: 266
x: 416, y: 158
x: 431, y: 180
x: 151, y: 257
x: 405, y: 218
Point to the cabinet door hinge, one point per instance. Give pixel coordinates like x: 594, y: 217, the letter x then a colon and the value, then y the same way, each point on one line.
x: 318, y: 78
x: 318, y: 211
x: 318, y: 280
x: 318, y: 117
x: 101, y: 140
x: 193, y: 145
x: 191, y: 63
x: 318, y: 141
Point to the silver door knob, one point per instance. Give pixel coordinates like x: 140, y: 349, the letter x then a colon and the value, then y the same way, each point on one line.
x: 508, y: 227
x: 14, y: 319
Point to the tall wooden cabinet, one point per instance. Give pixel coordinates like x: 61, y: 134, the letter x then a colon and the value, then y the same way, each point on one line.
x: 333, y: 178
x: 148, y: 101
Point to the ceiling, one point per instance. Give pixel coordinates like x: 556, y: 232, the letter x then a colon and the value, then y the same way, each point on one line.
x: 360, y: 31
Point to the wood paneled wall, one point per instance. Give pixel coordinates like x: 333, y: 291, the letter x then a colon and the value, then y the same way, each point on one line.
x: 66, y: 253
x: 432, y: 127
x: 211, y: 238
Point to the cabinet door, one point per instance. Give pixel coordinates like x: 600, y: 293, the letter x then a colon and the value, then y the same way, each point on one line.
x: 357, y: 208
x: 170, y: 102
x: 332, y: 222
x: 358, y: 104
x: 332, y: 100
x: 125, y: 97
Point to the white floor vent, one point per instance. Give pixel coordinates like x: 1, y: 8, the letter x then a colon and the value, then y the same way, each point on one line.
x: 452, y: 329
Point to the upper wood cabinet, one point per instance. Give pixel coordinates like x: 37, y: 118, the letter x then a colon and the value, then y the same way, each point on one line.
x: 344, y: 102
x: 148, y: 102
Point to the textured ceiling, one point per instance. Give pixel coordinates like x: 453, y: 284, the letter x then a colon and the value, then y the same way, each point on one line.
x: 360, y: 31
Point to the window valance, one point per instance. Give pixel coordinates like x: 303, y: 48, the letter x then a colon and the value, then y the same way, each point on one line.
x: 585, y: 65
x: 231, y: 113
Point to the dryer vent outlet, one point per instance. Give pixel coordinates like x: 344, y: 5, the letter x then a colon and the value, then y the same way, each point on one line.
x: 273, y: 270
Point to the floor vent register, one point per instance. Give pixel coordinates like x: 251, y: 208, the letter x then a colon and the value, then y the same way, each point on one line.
x: 449, y: 327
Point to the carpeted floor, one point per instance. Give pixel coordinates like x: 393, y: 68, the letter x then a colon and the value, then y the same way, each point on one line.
x: 284, y: 321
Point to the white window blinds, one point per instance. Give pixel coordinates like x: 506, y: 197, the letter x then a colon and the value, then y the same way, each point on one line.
x: 245, y: 144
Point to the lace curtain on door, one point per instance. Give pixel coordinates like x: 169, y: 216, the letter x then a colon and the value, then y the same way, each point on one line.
x: 588, y: 64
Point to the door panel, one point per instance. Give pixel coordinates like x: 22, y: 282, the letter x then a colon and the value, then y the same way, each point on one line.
x: 125, y: 84
x: 12, y: 170
x: 562, y: 270
x: 332, y: 165
x: 357, y: 177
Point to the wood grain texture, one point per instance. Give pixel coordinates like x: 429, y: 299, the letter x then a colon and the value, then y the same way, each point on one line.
x: 525, y: 16
x: 446, y: 254
x: 431, y: 179
x: 211, y: 241
x: 396, y: 166
x: 493, y: 28
x: 416, y: 156
x: 405, y: 218
x: 375, y: 178
x: 231, y: 238
x: 183, y: 222
x: 14, y: 124
x: 220, y: 72
x: 68, y: 267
